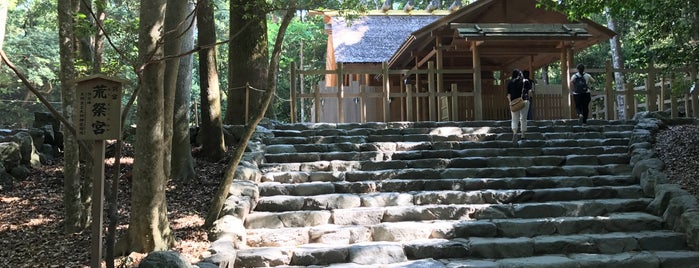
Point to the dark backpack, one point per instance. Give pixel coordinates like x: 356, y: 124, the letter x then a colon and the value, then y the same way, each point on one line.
x: 579, y: 83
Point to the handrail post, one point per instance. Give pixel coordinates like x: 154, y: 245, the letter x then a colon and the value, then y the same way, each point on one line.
x: 247, y: 103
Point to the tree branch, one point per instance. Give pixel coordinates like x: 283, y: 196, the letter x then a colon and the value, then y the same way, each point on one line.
x: 44, y: 101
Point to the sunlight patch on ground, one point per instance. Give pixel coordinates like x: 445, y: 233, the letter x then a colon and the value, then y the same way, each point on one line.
x: 188, y: 221
x: 40, y: 220
x: 9, y: 199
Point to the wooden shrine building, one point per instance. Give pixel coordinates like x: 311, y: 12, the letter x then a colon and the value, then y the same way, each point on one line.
x: 441, y: 65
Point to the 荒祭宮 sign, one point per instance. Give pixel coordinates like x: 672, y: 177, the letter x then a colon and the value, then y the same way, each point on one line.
x: 98, y: 108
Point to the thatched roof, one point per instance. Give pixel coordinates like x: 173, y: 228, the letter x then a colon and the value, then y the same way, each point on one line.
x: 508, y: 33
x: 374, y: 38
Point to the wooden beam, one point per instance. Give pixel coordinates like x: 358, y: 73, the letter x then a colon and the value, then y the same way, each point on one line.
x: 425, y: 58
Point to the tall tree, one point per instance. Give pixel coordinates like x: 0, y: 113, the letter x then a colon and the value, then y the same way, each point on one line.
x: 172, y: 45
x: 149, y: 229
x: 74, y: 211
x: 258, y: 113
x: 213, y: 145
x: 248, y: 58
x: 617, y: 62
x: 182, y: 161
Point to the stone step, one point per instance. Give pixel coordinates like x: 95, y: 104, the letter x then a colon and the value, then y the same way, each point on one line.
x: 451, y: 173
x: 466, y: 184
x: 425, y: 127
x: 280, y: 203
x: 488, y: 137
x: 456, y: 148
x: 505, y: 250
x: 433, y: 159
x: 411, y: 231
x: 402, y: 213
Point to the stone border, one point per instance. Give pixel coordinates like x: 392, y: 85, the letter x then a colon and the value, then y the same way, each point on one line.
x: 678, y: 208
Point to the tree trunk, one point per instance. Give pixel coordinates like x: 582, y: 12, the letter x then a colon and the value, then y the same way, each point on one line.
x: 84, y: 44
x: 617, y: 63
x: 85, y: 41
x: 222, y: 192
x: 182, y: 161
x: 174, y: 15
x: 99, y: 38
x: 248, y: 59
x: 71, y: 172
x: 149, y: 229
x: 213, y: 145
x: 3, y: 21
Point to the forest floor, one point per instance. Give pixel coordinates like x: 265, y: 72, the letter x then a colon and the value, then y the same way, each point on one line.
x: 31, y: 213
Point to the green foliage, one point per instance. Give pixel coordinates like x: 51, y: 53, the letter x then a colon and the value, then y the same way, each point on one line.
x: 663, y: 30
x: 307, y: 33
x: 30, y: 45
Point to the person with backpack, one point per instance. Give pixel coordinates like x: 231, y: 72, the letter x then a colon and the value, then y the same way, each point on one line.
x: 515, y: 90
x: 579, y: 84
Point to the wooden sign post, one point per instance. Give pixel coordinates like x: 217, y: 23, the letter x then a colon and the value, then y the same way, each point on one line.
x: 98, y: 117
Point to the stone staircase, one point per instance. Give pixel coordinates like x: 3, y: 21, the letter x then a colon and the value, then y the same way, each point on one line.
x: 449, y: 194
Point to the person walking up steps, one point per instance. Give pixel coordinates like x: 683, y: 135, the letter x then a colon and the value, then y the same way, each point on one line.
x: 579, y: 84
x: 515, y: 88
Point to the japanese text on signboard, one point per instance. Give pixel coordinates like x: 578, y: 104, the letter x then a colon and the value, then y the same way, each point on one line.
x: 99, y: 109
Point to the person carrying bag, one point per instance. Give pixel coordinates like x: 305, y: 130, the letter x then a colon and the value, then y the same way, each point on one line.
x: 580, y: 87
x: 518, y: 106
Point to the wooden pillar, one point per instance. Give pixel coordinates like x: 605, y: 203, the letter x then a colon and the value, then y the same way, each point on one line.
x: 630, y: 101
x: 454, y: 103
x: 362, y: 103
x: 694, y: 94
x: 609, y: 92
x: 316, y: 103
x: 409, y: 101
x: 477, y: 81
x: 663, y: 93
x: 97, y: 203
x: 440, y: 75
x: 673, y: 99
x: 432, y: 100
x: 292, y: 93
x: 386, y: 93
x: 651, y: 93
x: 340, y: 94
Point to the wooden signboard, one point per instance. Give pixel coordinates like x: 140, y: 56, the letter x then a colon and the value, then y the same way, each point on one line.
x: 98, y: 118
x: 98, y: 115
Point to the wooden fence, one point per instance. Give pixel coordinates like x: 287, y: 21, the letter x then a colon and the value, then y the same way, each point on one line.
x: 397, y: 101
